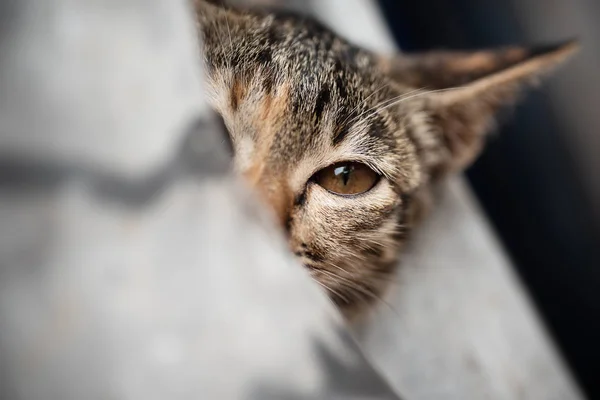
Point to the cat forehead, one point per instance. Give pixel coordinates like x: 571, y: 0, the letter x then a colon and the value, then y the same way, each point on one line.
x: 295, y: 131
x: 282, y: 43
x: 296, y: 96
x: 306, y: 115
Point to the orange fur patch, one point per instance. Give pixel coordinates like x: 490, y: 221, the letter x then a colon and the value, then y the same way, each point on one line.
x: 237, y: 94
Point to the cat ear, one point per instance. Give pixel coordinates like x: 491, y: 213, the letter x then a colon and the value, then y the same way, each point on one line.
x: 445, y: 69
x: 472, y: 89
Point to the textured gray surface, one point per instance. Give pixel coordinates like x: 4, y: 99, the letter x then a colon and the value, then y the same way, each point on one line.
x: 133, y: 265
x: 56, y: 55
x: 190, y: 296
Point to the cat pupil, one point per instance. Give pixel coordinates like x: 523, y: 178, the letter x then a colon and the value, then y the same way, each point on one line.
x: 344, y: 171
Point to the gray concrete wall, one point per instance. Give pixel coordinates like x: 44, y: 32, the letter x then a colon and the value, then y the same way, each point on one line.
x: 133, y: 264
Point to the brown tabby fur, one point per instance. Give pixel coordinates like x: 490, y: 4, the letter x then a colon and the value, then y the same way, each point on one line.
x: 297, y: 98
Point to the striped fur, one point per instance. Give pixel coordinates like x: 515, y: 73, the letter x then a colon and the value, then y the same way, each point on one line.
x: 297, y: 98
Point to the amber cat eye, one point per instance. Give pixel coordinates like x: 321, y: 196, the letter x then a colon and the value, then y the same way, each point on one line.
x: 347, y: 178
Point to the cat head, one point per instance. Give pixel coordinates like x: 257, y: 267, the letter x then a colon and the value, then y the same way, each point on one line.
x: 345, y: 145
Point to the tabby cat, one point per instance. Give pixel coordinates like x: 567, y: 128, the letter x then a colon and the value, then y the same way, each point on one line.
x: 345, y: 145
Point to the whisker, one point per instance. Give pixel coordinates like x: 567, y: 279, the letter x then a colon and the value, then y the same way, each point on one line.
x: 357, y: 287
x: 360, y: 289
x: 395, y: 103
x: 336, y: 276
x: 336, y: 267
x: 363, y: 102
x: 354, y: 289
x: 330, y: 289
x: 383, y: 103
x: 367, y: 243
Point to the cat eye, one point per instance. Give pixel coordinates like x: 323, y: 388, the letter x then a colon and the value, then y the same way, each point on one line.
x: 347, y: 178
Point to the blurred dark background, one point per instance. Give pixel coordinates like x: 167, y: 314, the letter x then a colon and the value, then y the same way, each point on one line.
x: 537, y: 180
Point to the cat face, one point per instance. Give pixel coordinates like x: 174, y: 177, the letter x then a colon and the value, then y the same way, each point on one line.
x: 344, y: 145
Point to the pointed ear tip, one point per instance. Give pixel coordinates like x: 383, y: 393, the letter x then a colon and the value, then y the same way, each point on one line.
x: 570, y: 46
x: 562, y: 49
